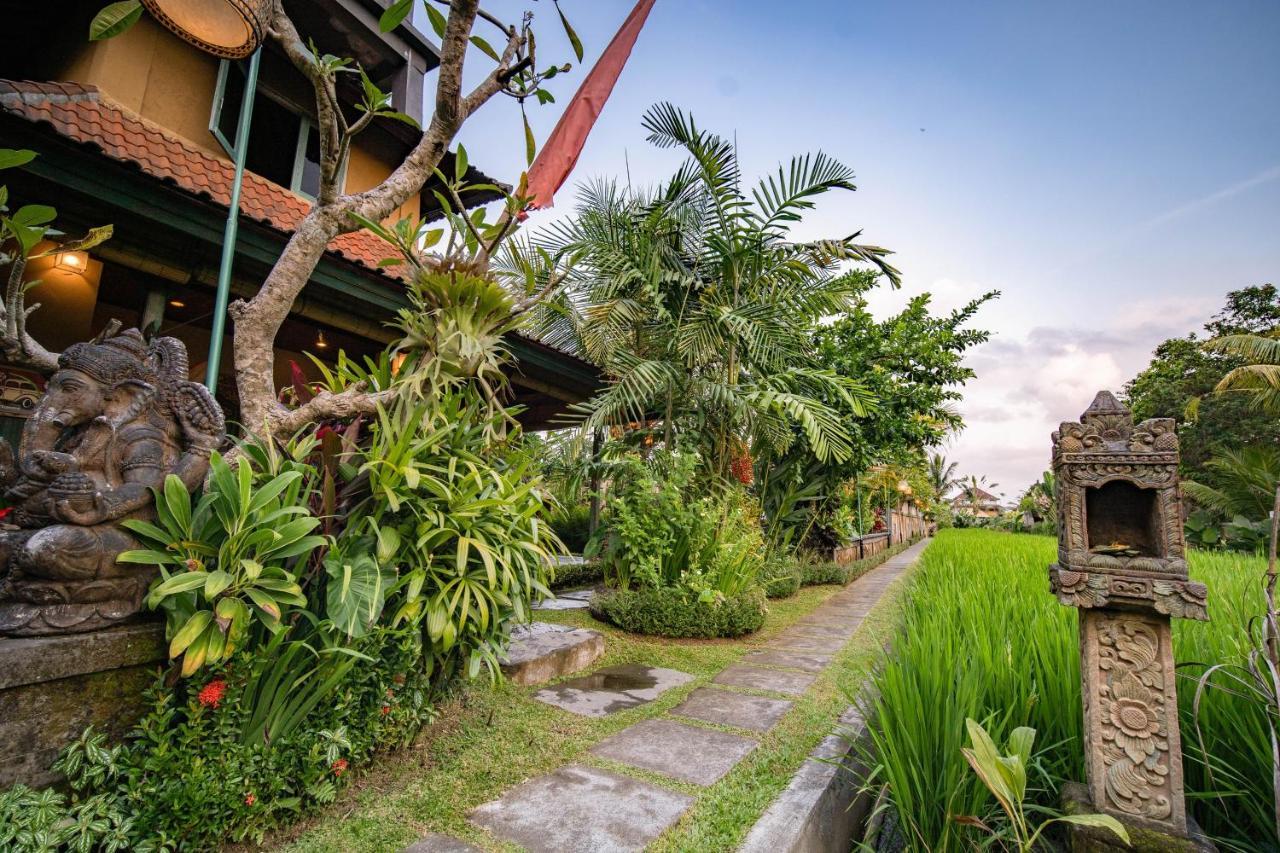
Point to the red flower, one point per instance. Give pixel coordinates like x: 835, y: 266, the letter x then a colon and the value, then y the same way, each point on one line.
x: 339, y: 767
x: 399, y: 679
x: 4, y: 513
x: 211, y: 694
x: 386, y: 709
x: 250, y: 799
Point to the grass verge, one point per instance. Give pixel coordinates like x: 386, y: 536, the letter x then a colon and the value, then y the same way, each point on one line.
x: 490, y: 738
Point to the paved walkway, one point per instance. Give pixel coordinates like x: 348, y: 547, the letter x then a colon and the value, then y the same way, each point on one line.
x: 584, y: 808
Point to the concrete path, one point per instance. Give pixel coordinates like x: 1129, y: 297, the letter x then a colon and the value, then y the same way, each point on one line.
x: 617, y: 813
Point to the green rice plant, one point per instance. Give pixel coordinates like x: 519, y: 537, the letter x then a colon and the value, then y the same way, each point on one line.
x: 980, y: 638
x: 1227, y: 744
x: 983, y: 638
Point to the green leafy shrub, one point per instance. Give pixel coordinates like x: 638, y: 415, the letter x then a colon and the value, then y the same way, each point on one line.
x: 780, y: 578
x: 830, y: 572
x: 570, y: 575
x: 230, y: 564
x: 663, y: 532
x: 572, y: 524
x: 676, y: 612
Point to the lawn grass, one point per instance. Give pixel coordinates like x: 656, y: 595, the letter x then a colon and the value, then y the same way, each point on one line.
x: 490, y: 738
x: 981, y: 636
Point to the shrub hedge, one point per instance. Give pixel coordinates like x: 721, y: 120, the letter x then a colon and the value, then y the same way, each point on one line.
x: 569, y: 575
x: 812, y: 574
x: 674, y: 612
x: 780, y: 578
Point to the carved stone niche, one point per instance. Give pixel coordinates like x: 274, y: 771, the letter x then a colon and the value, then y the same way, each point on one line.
x: 1120, y: 539
x: 1122, y: 561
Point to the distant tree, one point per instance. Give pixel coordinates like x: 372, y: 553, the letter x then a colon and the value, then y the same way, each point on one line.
x: 1183, y: 375
x: 942, y: 474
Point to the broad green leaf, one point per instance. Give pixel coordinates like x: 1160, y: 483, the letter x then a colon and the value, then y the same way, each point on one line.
x: 438, y: 21
x: 355, y: 592
x: 114, y: 19
x: 215, y: 583
x: 486, y: 48
x: 573, y: 36
x: 460, y: 164
x: 187, y: 633
x: 1099, y: 820
x: 11, y: 157
x: 184, y: 582
x: 530, y: 144
x: 395, y: 15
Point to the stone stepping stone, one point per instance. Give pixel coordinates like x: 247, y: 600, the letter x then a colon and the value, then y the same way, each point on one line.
x: 579, y: 809
x: 806, y: 661
x: 819, y: 629
x: 563, y: 602
x: 688, y: 753
x: 805, y: 643
x: 541, y: 651
x: 612, y: 689
x: 435, y: 843
x: 733, y: 709
x: 757, y: 678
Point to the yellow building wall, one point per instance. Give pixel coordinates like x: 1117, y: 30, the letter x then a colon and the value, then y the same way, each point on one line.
x: 153, y: 73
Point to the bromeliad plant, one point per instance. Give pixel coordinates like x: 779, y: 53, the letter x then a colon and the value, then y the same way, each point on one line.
x: 228, y: 564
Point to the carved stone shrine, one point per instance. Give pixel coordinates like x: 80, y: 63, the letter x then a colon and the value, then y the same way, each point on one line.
x: 117, y: 417
x: 1122, y: 561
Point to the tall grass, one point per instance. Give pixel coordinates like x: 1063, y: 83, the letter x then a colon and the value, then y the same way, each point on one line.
x: 982, y: 637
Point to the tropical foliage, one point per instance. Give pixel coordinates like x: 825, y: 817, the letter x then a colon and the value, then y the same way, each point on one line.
x: 699, y: 304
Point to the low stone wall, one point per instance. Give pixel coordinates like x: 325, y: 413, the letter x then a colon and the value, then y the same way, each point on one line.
x: 51, y: 688
x: 824, y: 808
x: 860, y: 548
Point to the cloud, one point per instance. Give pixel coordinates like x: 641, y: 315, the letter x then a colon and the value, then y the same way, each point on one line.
x: 1029, y: 382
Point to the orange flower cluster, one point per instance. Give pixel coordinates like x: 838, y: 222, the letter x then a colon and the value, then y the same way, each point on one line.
x: 211, y: 694
x: 742, y: 469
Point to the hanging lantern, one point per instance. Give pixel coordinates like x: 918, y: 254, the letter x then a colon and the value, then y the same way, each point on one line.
x: 231, y: 29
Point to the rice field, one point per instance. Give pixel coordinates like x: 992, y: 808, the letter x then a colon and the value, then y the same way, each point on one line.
x: 982, y: 637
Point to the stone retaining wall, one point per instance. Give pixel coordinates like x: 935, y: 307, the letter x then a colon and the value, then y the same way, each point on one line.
x: 51, y: 688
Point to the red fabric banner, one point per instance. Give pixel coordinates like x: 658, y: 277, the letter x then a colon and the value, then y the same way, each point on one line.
x: 553, y: 164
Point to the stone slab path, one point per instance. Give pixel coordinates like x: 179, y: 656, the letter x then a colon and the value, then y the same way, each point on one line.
x: 583, y: 808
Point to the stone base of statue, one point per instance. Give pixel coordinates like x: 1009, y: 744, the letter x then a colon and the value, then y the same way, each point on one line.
x: 52, y: 688
x: 1143, y: 838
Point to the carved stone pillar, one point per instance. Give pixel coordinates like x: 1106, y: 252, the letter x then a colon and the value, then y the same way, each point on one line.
x: 1122, y: 561
x: 1132, y: 748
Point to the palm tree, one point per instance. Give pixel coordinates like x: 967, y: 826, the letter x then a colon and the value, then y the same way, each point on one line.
x: 973, y: 487
x: 942, y: 474
x: 1260, y: 377
x: 692, y: 297
x: 1238, y: 482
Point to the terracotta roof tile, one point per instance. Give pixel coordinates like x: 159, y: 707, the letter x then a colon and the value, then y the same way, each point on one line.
x: 80, y: 112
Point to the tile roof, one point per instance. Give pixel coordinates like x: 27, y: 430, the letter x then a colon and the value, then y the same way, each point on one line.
x: 80, y: 112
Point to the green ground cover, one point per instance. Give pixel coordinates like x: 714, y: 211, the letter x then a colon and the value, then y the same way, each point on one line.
x: 489, y: 739
x: 982, y: 637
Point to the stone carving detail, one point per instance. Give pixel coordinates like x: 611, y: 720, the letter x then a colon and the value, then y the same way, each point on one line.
x: 1122, y: 561
x: 1135, y: 714
x: 116, y: 418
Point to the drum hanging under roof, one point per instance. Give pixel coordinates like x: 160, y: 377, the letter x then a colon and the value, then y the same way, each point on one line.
x: 231, y: 29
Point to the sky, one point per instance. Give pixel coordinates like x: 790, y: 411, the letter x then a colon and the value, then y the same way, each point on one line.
x: 1113, y: 168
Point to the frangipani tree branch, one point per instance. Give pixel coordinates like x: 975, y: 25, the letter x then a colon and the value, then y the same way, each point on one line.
x: 258, y: 320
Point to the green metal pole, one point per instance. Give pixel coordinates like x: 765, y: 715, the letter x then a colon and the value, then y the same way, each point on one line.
x: 233, y: 226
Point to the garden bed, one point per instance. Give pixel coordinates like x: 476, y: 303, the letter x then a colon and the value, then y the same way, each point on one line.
x: 451, y: 769
x: 677, y: 612
x: 982, y: 637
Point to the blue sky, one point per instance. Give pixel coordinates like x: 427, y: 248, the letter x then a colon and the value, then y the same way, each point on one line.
x: 1112, y: 168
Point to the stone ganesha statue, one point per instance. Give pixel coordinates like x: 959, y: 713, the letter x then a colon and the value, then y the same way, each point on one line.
x: 117, y: 417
